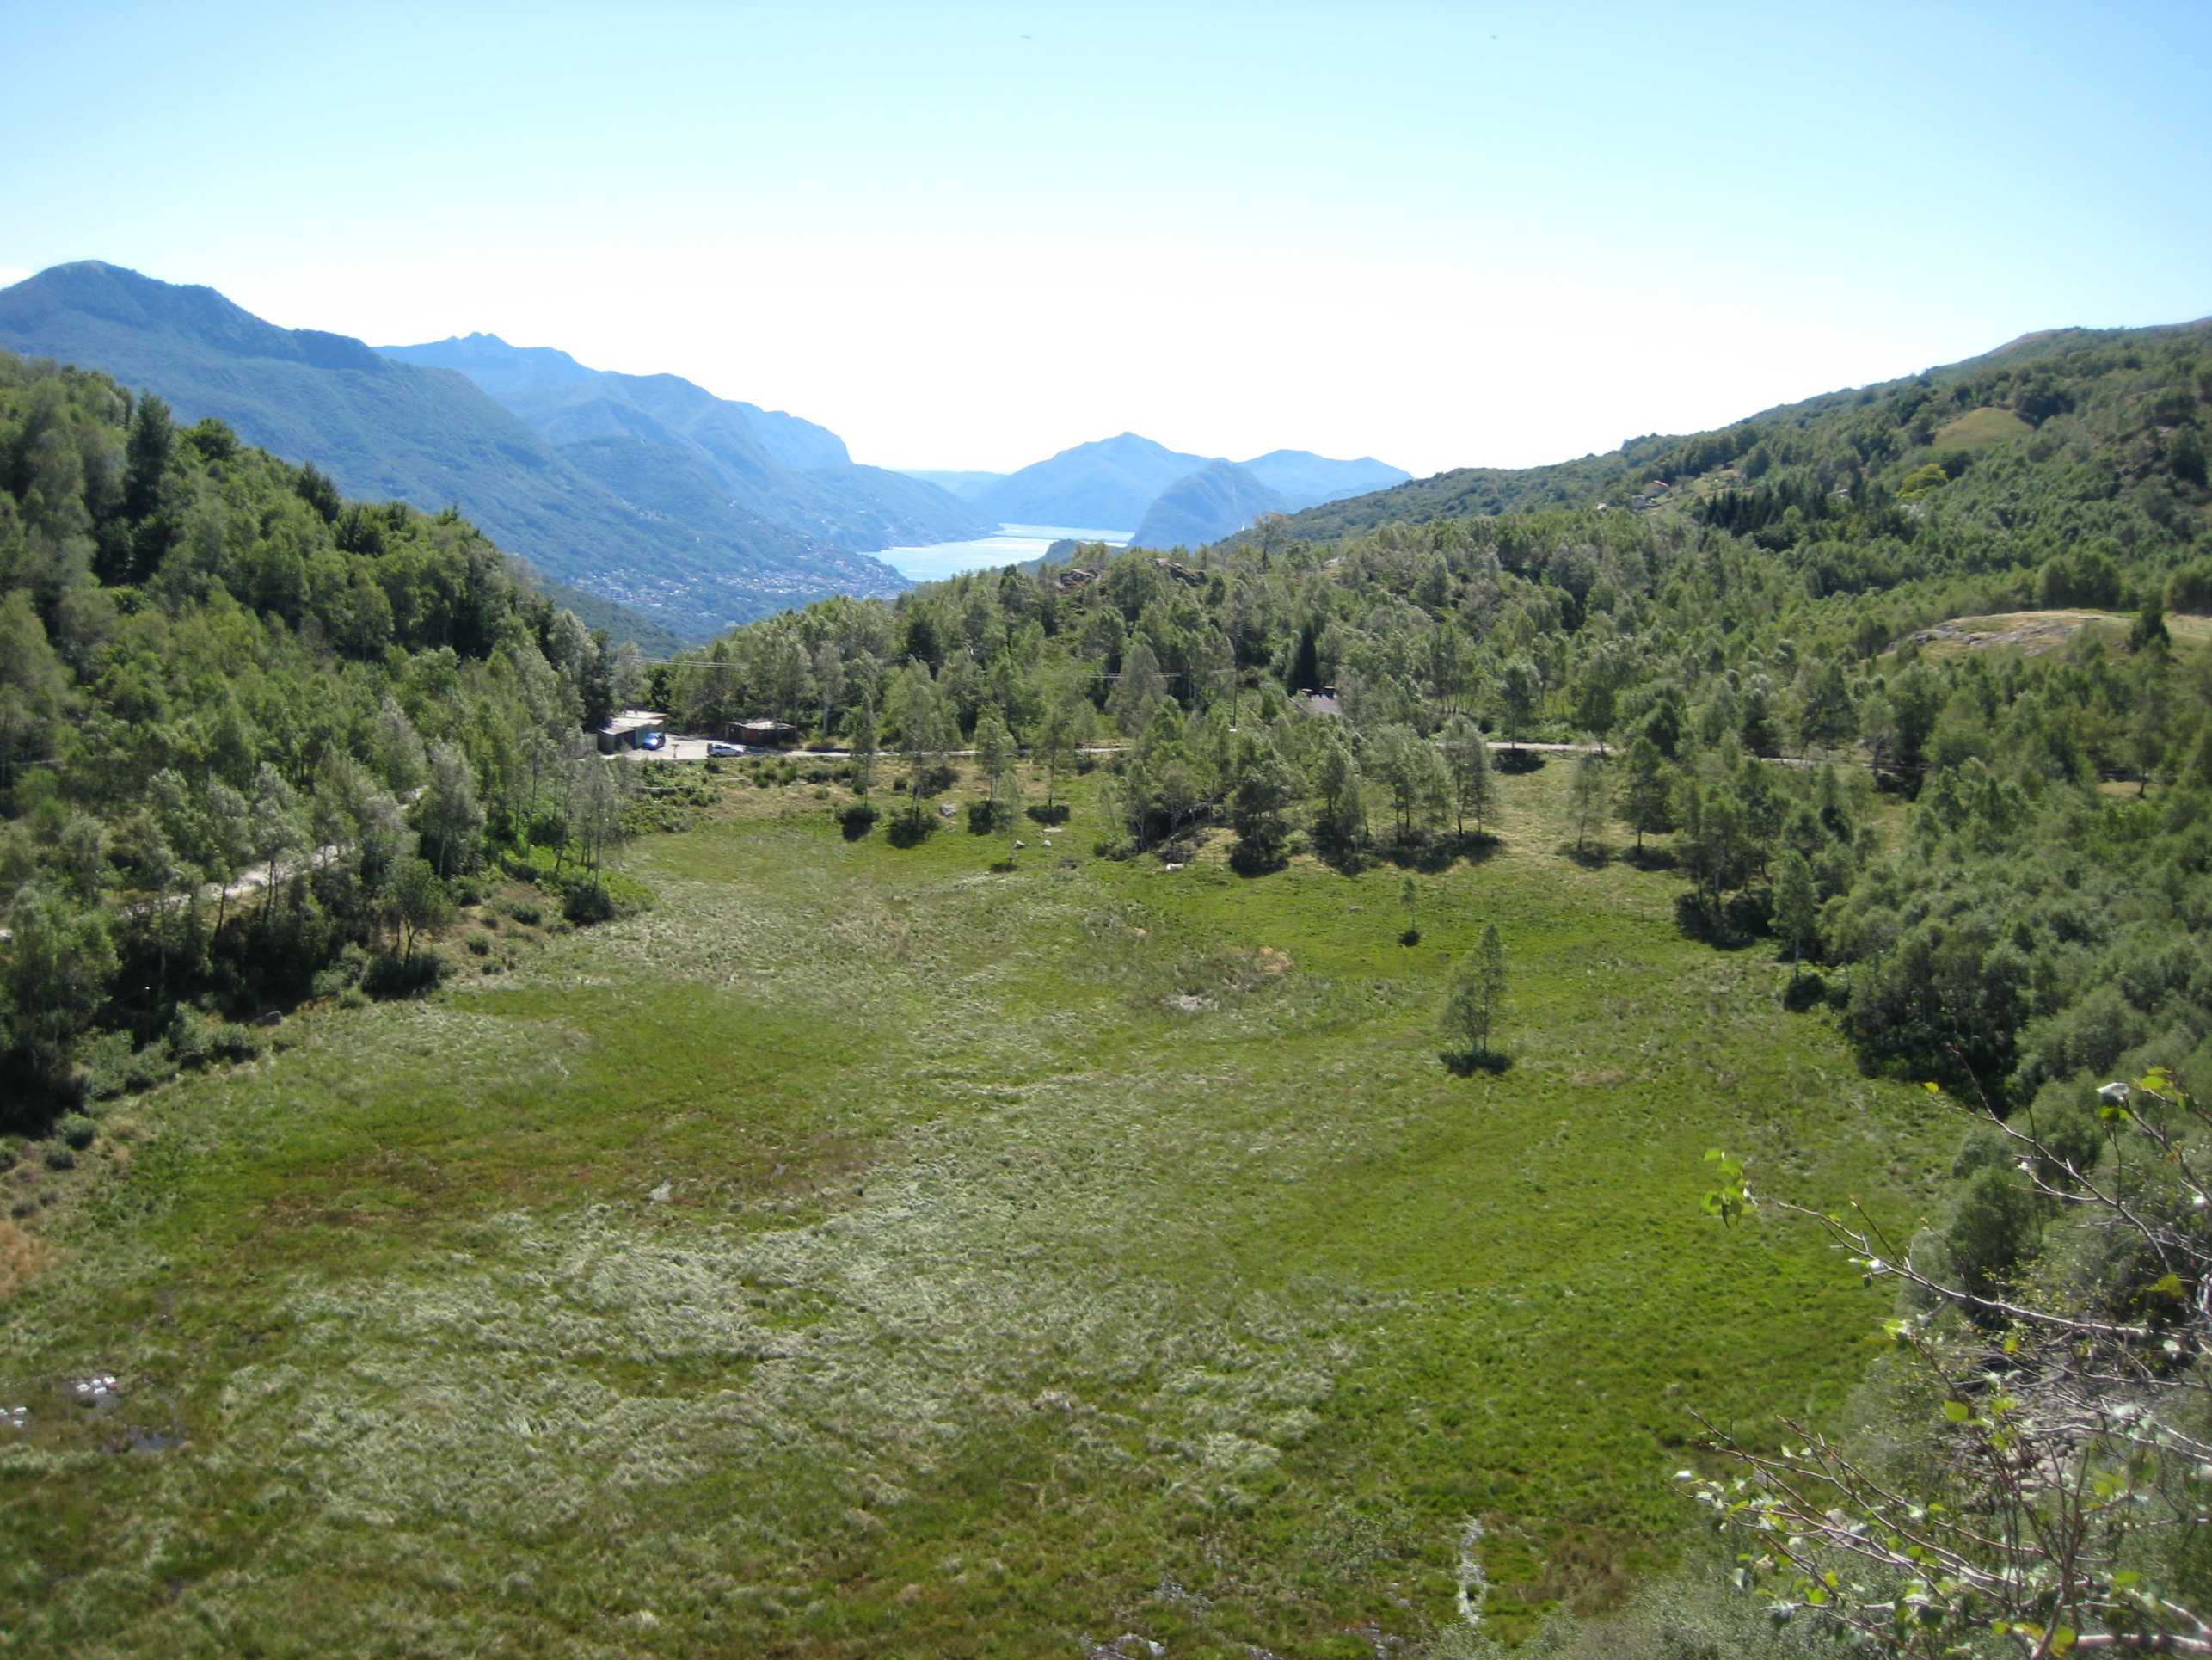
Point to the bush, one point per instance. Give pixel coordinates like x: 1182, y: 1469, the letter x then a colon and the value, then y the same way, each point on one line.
x: 913, y: 826
x: 231, y: 1042
x: 58, y: 1156
x: 527, y: 914
x: 77, y: 1130
x: 857, y: 820
x: 1056, y: 813
x: 588, y: 903
x: 391, y: 975
x: 479, y: 945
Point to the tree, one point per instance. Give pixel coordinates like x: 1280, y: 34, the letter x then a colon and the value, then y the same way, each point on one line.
x: 1260, y: 802
x: 1140, y: 688
x: 926, y: 730
x: 1644, y: 796
x: 2054, y: 1437
x: 1523, y: 687
x: 1466, y: 755
x: 449, y: 814
x: 626, y: 676
x: 994, y: 755
x: 417, y: 903
x: 1796, y: 905
x: 53, y: 979
x: 274, y: 829
x: 1476, y: 996
x: 1409, y: 896
x: 864, y: 746
x: 1588, y: 796
x: 1060, y: 734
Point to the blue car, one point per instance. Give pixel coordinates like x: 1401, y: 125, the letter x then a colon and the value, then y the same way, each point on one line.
x: 651, y: 739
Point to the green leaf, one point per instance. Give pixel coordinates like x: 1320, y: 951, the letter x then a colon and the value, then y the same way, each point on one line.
x: 1958, y: 1411
x: 2062, y: 1640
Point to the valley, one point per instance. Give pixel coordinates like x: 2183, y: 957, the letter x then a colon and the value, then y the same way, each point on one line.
x: 862, y: 1248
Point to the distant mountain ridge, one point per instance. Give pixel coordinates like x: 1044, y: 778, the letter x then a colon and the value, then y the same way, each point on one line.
x: 587, y: 514
x: 788, y: 470
x: 1114, y: 481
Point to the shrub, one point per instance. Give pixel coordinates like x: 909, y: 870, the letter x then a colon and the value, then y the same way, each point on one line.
x: 913, y: 826
x: 589, y: 903
x: 479, y: 945
x: 857, y: 820
x: 391, y: 975
x: 527, y: 914
x: 58, y: 1156
x: 77, y: 1130
x: 231, y: 1042
x: 353, y: 998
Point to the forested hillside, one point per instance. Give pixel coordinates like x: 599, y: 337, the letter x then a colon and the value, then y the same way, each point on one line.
x: 2075, y: 414
x: 210, y: 662
x: 1761, y: 608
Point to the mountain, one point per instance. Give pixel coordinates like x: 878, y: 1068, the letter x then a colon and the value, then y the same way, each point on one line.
x: 1102, y: 485
x: 1220, y: 501
x: 640, y: 435
x: 384, y: 429
x: 965, y: 485
x: 1303, y: 479
x: 1964, y: 417
x: 1116, y: 481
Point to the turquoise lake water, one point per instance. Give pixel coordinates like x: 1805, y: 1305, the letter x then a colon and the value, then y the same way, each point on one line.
x: 1014, y: 545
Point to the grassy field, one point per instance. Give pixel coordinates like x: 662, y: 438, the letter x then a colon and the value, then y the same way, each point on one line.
x: 2039, y: 633
x: 865, y: 1254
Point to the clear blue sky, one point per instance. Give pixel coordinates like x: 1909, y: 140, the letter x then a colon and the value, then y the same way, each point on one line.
x: 967, y: 235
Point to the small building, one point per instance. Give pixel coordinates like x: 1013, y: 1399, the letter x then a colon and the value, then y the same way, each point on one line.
x: 765, y: 734
x: 1323, y: 702
x: 624, y: 731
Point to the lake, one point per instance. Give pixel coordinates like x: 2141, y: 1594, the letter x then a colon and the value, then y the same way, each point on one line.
x: 1014, y: 545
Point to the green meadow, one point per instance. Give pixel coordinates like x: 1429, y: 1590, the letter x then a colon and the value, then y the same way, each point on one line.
x: 865, y: 1253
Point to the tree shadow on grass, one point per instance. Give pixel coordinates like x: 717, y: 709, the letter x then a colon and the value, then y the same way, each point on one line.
x: 1467, y: 1062
x: 1432, y: 855
x: 1519, y: 760
x: 1256, y: 859
x: 1591, y: 855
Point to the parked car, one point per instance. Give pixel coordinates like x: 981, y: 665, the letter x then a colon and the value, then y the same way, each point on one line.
x: 651, y: 739
x: 720, y: 749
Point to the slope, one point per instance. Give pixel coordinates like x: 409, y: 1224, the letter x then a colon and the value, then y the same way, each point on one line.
x: 790, y: 471
x: 1305, y: 479
x: 2100, y: 409
x: 1105, y: 484
x: 422, y: 435
x: 1209, y: 505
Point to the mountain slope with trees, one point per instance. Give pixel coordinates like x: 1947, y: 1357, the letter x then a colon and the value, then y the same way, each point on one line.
x: 210, y: 662
x: 384, y: 429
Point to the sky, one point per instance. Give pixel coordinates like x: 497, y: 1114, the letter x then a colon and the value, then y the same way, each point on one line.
x: 971, y: 236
